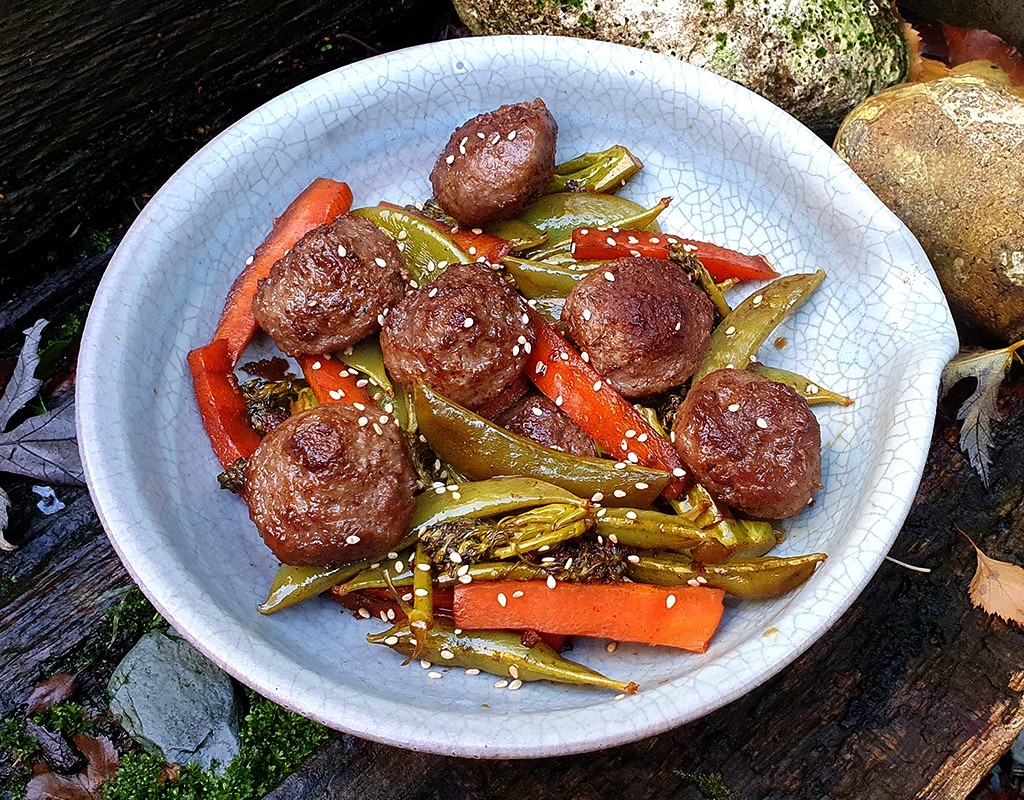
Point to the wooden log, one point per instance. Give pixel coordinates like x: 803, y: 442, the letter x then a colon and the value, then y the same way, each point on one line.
x: 913, y: 694
x: 103, y: 101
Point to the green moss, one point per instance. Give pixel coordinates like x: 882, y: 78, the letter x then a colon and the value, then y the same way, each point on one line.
x: 711, y: 787
x: 588, y: 22
x: 68, y: 718
x: 274, y: 742
x: 18, y: 749
x: 95, y: 242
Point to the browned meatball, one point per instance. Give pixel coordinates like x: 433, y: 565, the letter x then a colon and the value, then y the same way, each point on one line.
x: 642, y: 322
x: 497, y: 164
x: 752, y: 442
x: 331, y: 289
x: 538, y: 419
x: 331, y: 485
x: 467, y: 335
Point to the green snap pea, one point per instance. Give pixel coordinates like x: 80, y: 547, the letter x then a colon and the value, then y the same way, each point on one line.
x: 603, y: 171
x: 536, y: 279
x: 738, y: 337
x: 426, y: 251
x: 487, y: 571
x: 500, y: 653
x: 480, y: 449
x: 747, y: 579
x: 292, y: 585
x: 811, y: 391
x: 631, y: 217
x: 366, y: 357
x: 521, y: 235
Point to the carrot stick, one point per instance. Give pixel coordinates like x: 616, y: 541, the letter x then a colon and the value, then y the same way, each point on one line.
x: 684, y: 617
x: 319, y: 203
x: 560, y: 372
x: 332, y: 381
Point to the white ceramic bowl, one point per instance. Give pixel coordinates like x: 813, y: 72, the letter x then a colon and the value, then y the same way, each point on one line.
x: 743, y: 173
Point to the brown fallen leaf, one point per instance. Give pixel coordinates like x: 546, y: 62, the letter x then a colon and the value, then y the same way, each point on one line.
x: 50, y: 692
x: 997, y: 587
x: 87, y: 785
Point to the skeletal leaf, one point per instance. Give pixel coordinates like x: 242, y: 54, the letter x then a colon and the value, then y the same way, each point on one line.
x: 5, y: 504
x: 998, y: 587
x: 979, y: 412
x: 42, y: 447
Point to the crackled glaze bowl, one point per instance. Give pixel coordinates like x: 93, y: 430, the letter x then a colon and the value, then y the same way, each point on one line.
x: 742, y: 172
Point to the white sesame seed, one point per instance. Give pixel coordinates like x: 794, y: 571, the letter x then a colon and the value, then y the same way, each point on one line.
x: 249, y: 260
x: 597, y: 497
x: 692, y: 582
x: 407, y: 596
x: 336, y: 394
x: 362, y: 383
x: 342, y: 251
x: 613, y: 229
x: 620, y: 697
x: 633, y: 458
x: 730, y: 330
x: 670, y: 601
x: 511, y: 135
x: 762, y: 422
x: 610, y: 241
x: 447, y: 654
x: 632, y: 240
x: 391, y: 640
x: 551, y: 581
x: 655, y: 240
x: 678, y: 472
x: 421, y: 592
x: 630, y: 515
x: 399, y: 567
x: 316, y: 365
x: 517, y: 593
x: 608, y: 276
x: 611, y: 647
x: 432, y: 293
x: 513, y: 670
x: 352, y: 539
x: 526, y: 318
x: 456, y: 495
x: 454, y: 557
x: 630, y: 433
x: 364, y: 613
x: 465, y: 579
x: 362, y: 422
x: 423, y: 567
x: 468, y: 323
x: 633, y: 558
x: 391, y: 615
x: 643, y: 437
x: 635, y: 253
x: 472, y: 671
x: 758, y: 299
x: 585, y: 356
x: 619, y: 493
x: 812, y: 389
x: 377, y: 429
x: 564, y: 356
x: 383, y: 617
x: 602, y: 511
x: 481, y: 135
x: 733, y: 407
x: 679, y: 325
x: 620, y: 465
x: 597, y: 386
x: 380, y: 262
x: 502, y: 600
x: 689, y: 248
x: 701, y: 579
x: 641, y: 485
x: 500, y: 684
x: 515, y: 685
x: 515, y: 349
x: 434, y: 675
x: 462, y: 570
x: 540, y: 368
x: 559, y: 401
x: 472, y: 250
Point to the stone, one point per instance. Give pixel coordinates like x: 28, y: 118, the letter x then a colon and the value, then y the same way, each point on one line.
x: 175, y: 703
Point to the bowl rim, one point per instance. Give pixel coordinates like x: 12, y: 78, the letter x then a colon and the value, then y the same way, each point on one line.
x: 196, y: 625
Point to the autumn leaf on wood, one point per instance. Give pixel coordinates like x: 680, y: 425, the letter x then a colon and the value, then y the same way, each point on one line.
x: 998, y: 587
x: 979, y: 412
x: 56, y: 689
x: 102, y: 764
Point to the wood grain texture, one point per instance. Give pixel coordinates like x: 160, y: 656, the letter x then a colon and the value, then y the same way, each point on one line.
x: 912, y: 694
x: 103, y: 100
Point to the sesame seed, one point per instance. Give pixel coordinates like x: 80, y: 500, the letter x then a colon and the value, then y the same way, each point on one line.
x: 620, y: 696
x: 611, y: 647
x: 619, y: 493
x: 399, y: 567
x: 421, y: 592
x: 391, y: 640
x: 730, y: 330
x: 670, y: 601
x: 249, y: 260
x: 434, y: 675
x: 407, y: 596
x: 602, y: 511
x: 564, y: 356
x: 391, y: 615
x: 762, y: 422
x: 454, y: 557
x: 701, y: 579
x: 500, y: 684
x: 502, y: 600
x: 610, y: 241
x: 513, y: 670
x: 477, y: 231
x: 362, y: 422
x: 630, y: 515
x: 517, y: 593
x: 630, y: 433
x: 450, y: 159
x: 462, y: 570
x: 812, y: 389
x: 758, y: 299
x: 465, y: 578
x: 383, y: 617
x: 551, y: 581
x: 481, y: 135
x: 641, y: 485
x: 526, y: 318
x: 364, y: 613
x: 468, y: 323
x: 559, y: 401
x: 620, y: 465
x: 643, y: 437
x: 362, y: 383
x: 472, y: 250
x: 597, y: 497
x: 635, y: 253
x: 432, y: 293
x: 352, y: 539
x: 472, y: 671
x: 439, y: 490
x: 633, y: 458
x: 655, y: 240
x: 679, y: 325
x: 442, y: 264
x: 689, y: 248
x: 423, y: 567
x: 342, y: 251
x: 359, y: 407
x: 608, y: 276
x: 633, y: 558
x: 585, y: 356
x: 377, y: 429
x: 317, y: 365
x: 692, y: 582
x: 447, y: 654
x: 734, y: 407
x: 511, y: 135
x: 597, y: 386
x: 632, y: 240
x: 678, y: 472
x: 515, y: 349
x: 336, y: 394
x: 515, y: 685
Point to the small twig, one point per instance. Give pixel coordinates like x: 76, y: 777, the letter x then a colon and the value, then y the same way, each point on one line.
x: 905, y: 565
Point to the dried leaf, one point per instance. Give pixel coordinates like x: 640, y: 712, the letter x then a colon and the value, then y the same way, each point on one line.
x: 989, y: 368
x: 102, y: 765
x: 5, y: 504
x: 23, y: 385
x: 46, y: 695
x: 998, y: 587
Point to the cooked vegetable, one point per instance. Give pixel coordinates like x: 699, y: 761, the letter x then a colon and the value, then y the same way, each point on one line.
x: 814, y: 58
x: 495, y: 652
x: 699, y: 274
x: 292, y: 585
x: 517, y: 233
x: 809, y: 390
x: 686, y: 617
x: 536, y: 279
x: 319, y: 203
x: 723, y: 264
x: 269, y: 403
x: 221, y: 405
x: 479, y: 449
x: 421, y: 616
x: 478, y: 244
x: 560, y: 372
x: 425, y: 250
x: 737, y: 339
x: 946, y: 157
x: 611, y: 215
x: 604, y: 171
x: 366, y: 357
x: 753, y: 579
x: 332, y: 381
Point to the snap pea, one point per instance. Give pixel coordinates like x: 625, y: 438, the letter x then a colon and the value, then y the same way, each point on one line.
x: 698, y: 506
x: 542, y: 528
x: 738, y: 337
x: 487, y: 571
x: 548, y: 307
x: 693, y: 266
x: 425, y: 249
x: 366, y: 357
x: 642, y: 219
x: 747, y: 579
x: 558, y: 214
x: 809, y: 390
x: 652, y: 530
x: 487, y: 498
x: 479, y: 449
x: 292, y: 585
x: 420, y: 617
x: 522, y: 235
x: 500, y: 653
x: 539, y: 279
x: 603, y: 171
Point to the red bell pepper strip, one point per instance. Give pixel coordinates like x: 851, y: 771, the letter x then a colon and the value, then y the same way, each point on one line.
x: 333, y: 382
x: 319, y: 203
x: 221, y: 404
x: 594, y: 244
x: 560, y: 372
x: 474, y: 241
x: 683, y: 616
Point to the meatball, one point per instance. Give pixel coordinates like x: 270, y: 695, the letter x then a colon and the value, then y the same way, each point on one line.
x: 331, y: 289
x: 331, y: 485
x: 752, y: 442
x: 497, y: 164
x: 642, y: 322
x: 467, y: 335
x: 538, y: 419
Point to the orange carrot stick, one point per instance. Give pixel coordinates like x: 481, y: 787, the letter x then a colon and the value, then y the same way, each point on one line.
x: 683, y: 617
x: 332, y: 381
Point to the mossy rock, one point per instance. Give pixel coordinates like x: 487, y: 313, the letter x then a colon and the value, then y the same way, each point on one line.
x: 817, y: 59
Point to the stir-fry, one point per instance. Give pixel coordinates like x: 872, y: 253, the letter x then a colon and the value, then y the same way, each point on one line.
x: 524, y: 412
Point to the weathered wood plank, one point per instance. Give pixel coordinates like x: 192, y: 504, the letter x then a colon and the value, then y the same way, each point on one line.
x: 912, y: 694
